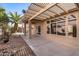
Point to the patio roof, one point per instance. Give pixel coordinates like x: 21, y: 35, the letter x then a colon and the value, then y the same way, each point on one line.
x: 43, y: 11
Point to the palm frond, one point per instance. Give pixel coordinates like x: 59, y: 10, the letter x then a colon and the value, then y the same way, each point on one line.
x: 15, y: 17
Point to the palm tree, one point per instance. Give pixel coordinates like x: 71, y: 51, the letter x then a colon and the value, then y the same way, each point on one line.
x: 4, y: 22
x: 15, y: 17
x: 3, y: 19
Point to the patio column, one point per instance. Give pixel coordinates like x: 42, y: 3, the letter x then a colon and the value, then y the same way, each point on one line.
x: 77, y: 24
x: 29, y: 22
x: 22, y: 28
x: 66, y: 26
x: 25, y: 29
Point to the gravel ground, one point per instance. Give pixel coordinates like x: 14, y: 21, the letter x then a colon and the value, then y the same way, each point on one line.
x: 15, y: 47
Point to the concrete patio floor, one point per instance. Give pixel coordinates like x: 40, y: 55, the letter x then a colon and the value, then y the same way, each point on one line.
x: 56, y: 47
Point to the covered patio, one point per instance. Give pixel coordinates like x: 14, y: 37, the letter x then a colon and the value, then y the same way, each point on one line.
x: 59, y: 46
x: 39, y: 13
x: 53, y: 28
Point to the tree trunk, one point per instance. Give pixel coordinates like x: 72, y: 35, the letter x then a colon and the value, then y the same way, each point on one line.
x: 5, y: 34
x: 15, y: 28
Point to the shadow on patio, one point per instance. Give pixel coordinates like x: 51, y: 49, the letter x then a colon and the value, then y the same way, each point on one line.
x: 56, y: 46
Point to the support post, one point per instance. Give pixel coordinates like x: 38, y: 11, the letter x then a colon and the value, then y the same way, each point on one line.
x: 77, y: 24
x: 29, y: 29
x: 66, y: 26
x: 22, y: 28
x: 25, y: 29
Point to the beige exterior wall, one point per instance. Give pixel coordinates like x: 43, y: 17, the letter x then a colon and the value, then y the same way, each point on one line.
x: 64, y: 39
x: 44, y: 31
x: 54, y: 36
x: 33, y: 31
x: 77, y: 22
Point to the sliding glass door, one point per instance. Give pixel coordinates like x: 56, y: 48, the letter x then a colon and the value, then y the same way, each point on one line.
x: 72, y: 30
x: 59, y: 27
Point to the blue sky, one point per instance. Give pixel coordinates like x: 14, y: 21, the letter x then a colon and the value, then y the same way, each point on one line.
x: 15, y: 7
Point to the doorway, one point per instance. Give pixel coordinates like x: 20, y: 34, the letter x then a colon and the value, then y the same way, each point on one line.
x: 72, y: 30
x: 38, y: 29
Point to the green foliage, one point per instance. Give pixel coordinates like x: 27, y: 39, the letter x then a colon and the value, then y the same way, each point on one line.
x: 3, y: 16
x: 15, y: 17
x: 5, y: 20
x: 4, y: 23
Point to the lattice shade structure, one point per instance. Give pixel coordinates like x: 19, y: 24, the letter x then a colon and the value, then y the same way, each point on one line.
x: 38, y: 10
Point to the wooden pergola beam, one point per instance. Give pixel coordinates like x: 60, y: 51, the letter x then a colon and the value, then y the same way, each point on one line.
x: 62, y: 8
x: 77, y: 5
x: 42, y: 10
x: 41, y: 16
x: 33, y: 10
x: 38, y: 17
x: 43, y: 7
x: 53, y: 12
x: 61, y: 15
x: 37, y: 12
x: 38, y: 5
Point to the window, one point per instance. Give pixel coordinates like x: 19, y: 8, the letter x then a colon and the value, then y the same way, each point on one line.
x: 58, y: 26
x: 53, y: 28
x: 61, y: 28
x: 72, y: 31
x: 48, y: 27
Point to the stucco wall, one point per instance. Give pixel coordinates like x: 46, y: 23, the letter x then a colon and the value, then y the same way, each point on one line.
x: 66, y: 40
x: 53, y: 36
